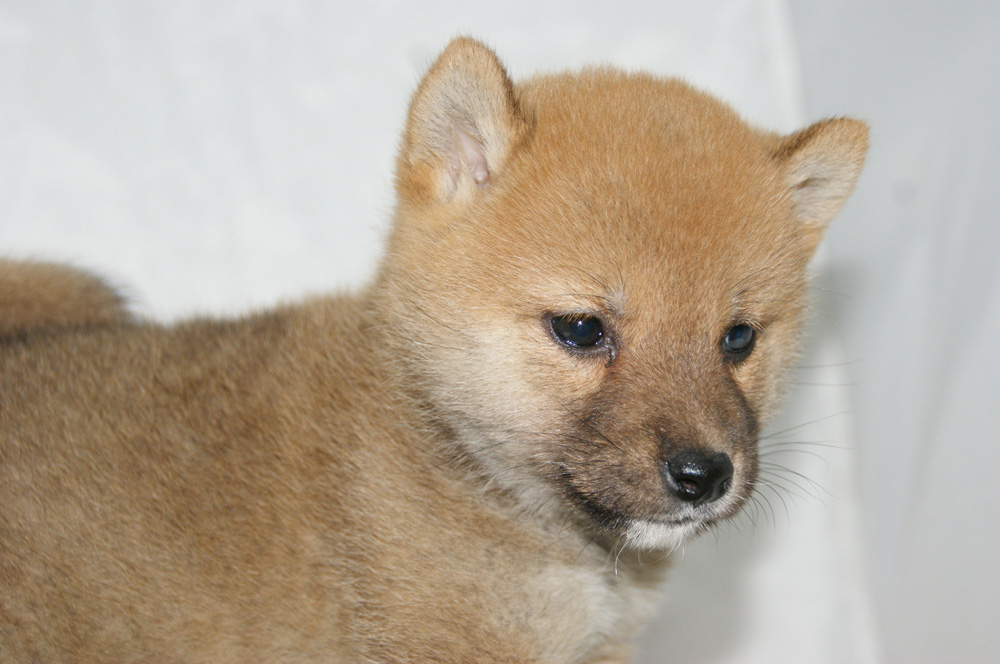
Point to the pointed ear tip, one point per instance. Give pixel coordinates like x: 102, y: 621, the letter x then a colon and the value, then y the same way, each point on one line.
x: 855, y: 131
x: 463, y: 47
x: 850, y: 133
x: 846, y: 137
x: 464, y: 58
x: 465, y: 42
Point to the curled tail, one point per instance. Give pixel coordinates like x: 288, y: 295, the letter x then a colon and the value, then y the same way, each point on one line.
x: 37, y: 295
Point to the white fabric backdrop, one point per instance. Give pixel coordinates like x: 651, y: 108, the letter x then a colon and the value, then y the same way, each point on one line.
x: 219, y: 155
x: 917, y: 252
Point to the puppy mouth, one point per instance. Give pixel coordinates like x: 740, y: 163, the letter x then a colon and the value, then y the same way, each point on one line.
x: 619, y: 522
x: 663, y: 535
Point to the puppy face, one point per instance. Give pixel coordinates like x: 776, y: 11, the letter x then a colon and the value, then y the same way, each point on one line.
x: 600, y: 279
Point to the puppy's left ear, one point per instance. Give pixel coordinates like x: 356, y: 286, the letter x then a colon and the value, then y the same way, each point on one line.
x: 821, y: 164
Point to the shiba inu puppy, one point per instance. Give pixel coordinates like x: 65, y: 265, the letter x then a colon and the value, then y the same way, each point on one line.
x: 591, y: 292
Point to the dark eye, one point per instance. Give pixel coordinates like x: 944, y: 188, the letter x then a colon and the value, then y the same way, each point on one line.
x: 739, y: 341
x: 578, y: 330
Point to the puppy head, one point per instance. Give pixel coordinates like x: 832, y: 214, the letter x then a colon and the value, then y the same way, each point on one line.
x: 596, y: 282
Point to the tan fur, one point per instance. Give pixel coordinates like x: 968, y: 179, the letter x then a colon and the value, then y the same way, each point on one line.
x: 36, y: 295
x: 422, y: 471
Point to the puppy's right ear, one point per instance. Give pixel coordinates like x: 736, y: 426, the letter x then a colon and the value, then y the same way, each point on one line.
x: 463, y: 123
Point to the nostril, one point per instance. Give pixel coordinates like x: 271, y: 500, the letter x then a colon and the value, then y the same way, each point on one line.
x: 699, y: 478
x: 688, y: 487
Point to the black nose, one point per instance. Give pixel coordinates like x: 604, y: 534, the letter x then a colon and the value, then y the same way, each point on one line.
x: 699, y: 478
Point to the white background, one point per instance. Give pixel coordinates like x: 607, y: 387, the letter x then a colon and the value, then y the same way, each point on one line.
x: 220, y: 156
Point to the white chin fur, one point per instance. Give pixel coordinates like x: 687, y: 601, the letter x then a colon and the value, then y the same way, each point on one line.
x: 652, y: 535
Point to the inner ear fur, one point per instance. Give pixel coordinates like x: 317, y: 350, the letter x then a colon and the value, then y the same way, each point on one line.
x: 463, y: 123
x: 821, y: 165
